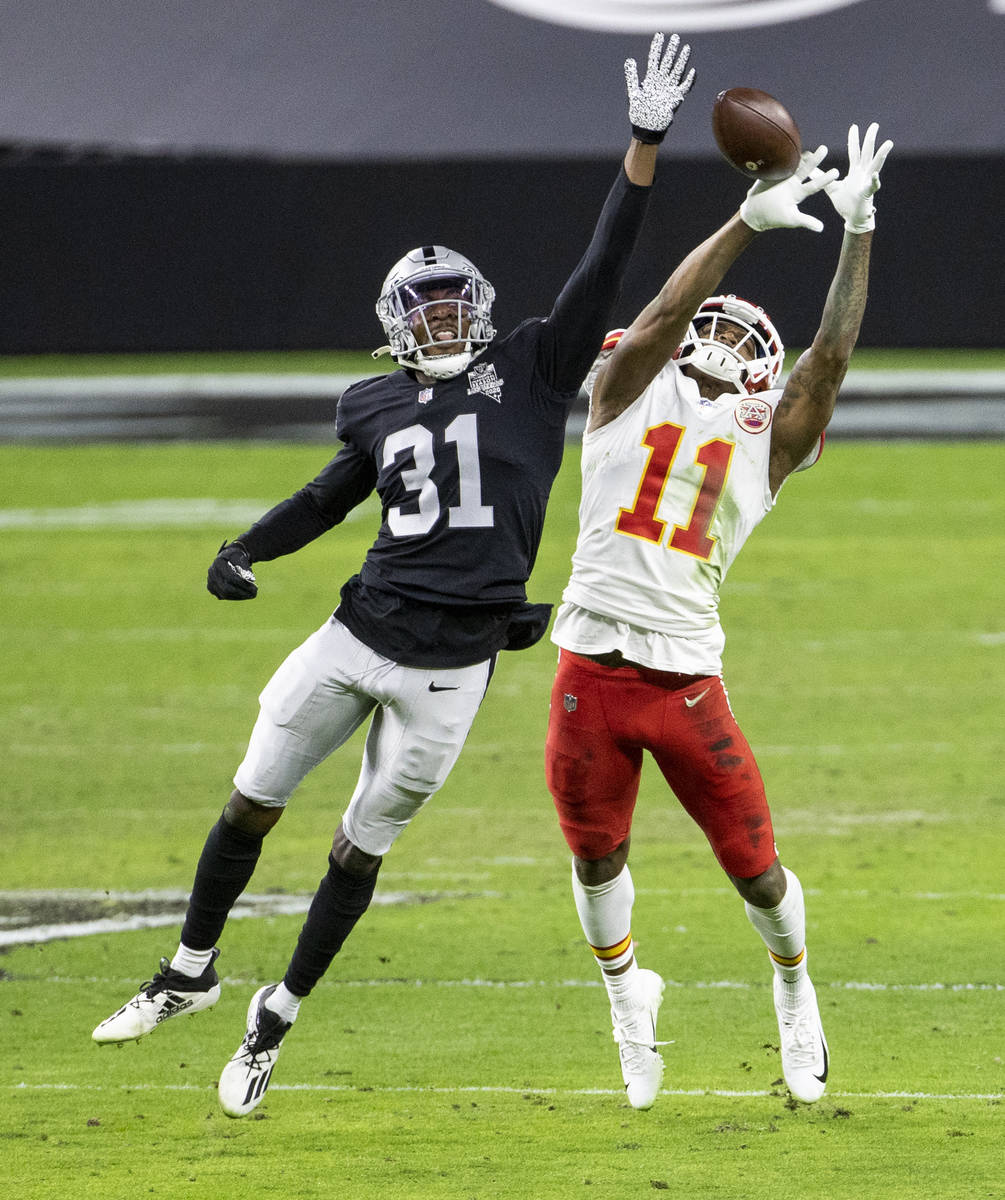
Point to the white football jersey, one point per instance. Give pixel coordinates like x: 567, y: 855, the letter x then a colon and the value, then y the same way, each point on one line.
x: 671, y: 490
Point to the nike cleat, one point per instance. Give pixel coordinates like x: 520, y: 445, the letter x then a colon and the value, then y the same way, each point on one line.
x: 635, y: 1033
x: 168, y: 994
x: 804, y: 1047
x: 245, y: 1078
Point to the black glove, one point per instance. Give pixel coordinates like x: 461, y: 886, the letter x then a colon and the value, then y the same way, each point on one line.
x: 230, y: 576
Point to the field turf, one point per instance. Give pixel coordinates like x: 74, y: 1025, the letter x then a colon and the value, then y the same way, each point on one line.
x: 460, y: 1047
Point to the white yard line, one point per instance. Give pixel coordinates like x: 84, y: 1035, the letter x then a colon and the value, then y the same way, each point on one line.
x: 526, y: 985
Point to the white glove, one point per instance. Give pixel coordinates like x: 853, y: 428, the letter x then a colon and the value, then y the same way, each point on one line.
x: 852, y: 196
x: 651, y: 106
x: 776, y: 205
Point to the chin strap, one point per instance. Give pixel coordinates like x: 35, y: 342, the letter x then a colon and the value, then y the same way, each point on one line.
x: 443, y: 366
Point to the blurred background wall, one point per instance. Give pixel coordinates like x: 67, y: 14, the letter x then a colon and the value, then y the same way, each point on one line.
x: 240, y: 176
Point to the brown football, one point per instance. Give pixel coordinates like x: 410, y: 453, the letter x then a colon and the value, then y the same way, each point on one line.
x: 756, y: 134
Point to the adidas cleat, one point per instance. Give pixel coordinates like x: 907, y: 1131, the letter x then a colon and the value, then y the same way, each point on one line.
x: 635, y: 1033
x: 245, y: 1078
x: 804, y: 1047
x: 168, y: 994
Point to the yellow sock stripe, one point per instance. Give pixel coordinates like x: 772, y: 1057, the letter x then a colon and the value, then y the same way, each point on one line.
x: 606, y: 953
x: 788, y: 962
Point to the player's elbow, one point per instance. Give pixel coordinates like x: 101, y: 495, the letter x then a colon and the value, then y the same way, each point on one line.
x: 829, y: 358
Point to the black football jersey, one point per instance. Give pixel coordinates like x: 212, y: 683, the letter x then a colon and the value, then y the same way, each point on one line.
x: 463, y: 468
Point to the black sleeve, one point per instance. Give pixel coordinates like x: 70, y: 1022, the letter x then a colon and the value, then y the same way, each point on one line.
x: 582, y: 313
x: 345, y: 482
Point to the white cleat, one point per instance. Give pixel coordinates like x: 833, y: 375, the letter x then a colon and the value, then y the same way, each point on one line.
x: 635, y: 1033
x: 804, y: 1047
x: 168, y: 994
x: 245, y: 1078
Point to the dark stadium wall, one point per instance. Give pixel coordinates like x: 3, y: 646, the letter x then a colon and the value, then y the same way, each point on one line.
x: 143, y: 253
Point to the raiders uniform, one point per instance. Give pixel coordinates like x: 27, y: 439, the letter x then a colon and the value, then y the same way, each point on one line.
x: 463, y: 469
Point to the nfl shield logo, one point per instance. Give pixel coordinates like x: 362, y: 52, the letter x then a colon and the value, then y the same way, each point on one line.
x: 425, y: 395
x: 570, y: 702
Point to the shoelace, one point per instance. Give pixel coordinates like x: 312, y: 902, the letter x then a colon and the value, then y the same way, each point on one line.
x: 624, y: 1036
x: 159, y: 982
x: 162, y: 981
x: 263, y: 1041
x: 634, y: 1059
x: 803, y: 1048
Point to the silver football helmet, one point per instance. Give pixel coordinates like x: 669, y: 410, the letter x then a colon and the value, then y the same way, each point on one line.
x: 405, y: 303
x: 703, y: 350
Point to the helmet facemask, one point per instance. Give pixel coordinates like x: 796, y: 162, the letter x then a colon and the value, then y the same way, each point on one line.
x: 704, y: 349
x: 417, y: 322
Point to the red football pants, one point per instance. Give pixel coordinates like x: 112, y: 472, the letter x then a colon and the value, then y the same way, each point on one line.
x: 601, y: 721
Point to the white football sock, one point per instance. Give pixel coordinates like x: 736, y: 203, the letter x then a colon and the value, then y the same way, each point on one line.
x: 783, y: 930
x: 283, y: 1002
x: 605, y: 913
x: 191, y: 962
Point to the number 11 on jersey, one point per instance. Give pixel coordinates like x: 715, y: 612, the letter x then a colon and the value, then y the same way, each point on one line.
x: 641, y: 521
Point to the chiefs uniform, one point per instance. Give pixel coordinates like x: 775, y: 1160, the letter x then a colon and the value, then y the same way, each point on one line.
x: 672, y: 488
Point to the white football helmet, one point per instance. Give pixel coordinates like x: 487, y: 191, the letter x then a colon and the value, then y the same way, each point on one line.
x: 404, y: 303
x: 702, y: 349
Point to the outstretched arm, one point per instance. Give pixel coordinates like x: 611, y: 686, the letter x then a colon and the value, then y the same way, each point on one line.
x: 345, y: 482
x: 807, y: 402
x: 582, y: 312
x: 657, y: 331
x: 653, y: 102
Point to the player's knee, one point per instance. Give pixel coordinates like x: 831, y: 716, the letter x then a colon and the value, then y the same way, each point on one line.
x: 765, y: 890
x: 590, y: 844
x: 594, y: 871
x: 351, y: 858
x: 249, y: 816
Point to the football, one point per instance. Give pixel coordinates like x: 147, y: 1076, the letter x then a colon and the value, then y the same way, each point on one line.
x: 756, y: 134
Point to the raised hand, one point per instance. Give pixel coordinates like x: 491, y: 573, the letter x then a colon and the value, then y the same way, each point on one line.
x: 652, y: 104
x: 852, y: 196
x: 776, y: 205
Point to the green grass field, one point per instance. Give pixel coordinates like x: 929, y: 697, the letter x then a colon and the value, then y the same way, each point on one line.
x: 460, y: 1047
x: 16, y: 366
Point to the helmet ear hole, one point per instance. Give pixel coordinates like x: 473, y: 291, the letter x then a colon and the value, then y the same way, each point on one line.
x: 426, y: 278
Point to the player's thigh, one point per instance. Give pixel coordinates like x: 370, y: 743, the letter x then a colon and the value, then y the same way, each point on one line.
x: 415, y: 738
x: 708, y: 762
x: 309, y: 708
x: 591, y: 771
